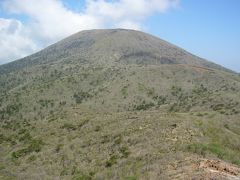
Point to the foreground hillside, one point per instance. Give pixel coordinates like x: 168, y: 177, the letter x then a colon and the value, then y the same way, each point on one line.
x: 118, y: 104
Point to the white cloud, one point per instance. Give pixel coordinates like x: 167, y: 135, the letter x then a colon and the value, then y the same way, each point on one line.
x: 13, y: 42
x: 127, y: 13
x: 128, y: 9
x: 49, y: 21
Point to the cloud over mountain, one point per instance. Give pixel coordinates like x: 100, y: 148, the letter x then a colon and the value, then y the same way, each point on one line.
x: 48, y: 21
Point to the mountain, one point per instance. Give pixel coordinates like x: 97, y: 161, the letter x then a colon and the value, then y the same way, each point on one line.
x: 111, y: 46
x: 118, y: 104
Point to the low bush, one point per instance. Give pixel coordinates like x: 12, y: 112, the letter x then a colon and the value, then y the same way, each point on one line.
x: 81, y: 96
x: 144, y: 106
x: 59, y: 147
x: 124, y: 151
x: 113, y: 160
x: 34, y: 146
x: 25, y: 137
x: 69, y: 127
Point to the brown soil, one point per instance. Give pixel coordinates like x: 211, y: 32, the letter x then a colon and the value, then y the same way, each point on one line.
x: 220, y: 169
x: 202, y: 169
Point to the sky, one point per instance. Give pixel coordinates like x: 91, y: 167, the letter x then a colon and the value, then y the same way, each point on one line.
x: 207, y: 28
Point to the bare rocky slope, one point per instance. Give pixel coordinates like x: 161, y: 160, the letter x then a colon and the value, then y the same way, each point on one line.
x: 118, y: 104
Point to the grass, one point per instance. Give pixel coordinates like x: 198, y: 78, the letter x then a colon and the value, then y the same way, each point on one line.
x: 215, y: 149
x: 108, y: 143
x: 122, y: 138
x: 219, y: 141
x: 34, y: 146
x: 83, y: 176
x: 2, y: 167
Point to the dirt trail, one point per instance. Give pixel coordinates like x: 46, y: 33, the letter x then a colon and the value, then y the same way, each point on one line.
x: 203, y: 169
x: 220, y: 169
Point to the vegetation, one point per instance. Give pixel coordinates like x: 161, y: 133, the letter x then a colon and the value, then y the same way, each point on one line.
x: 80, y: 111
x: 34, y: 146
x: 81, y: 96
x: 69, y: 127
x: 144, y: 106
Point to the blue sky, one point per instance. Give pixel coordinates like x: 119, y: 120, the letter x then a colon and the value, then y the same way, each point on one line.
x: 209, y: 29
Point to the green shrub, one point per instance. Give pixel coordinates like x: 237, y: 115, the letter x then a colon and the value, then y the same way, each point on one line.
x: 59, y: 147
x: 97, y: 128
x: 160, y: 99
x: 26, y: 137
x: 34, y: 146
x: 105, y: 139
x: 83, y: 123
x: 64, y: 172
x: 144, y: 106
x: 226, y: 126
x: 236, y: 161
x: 46, y: 102
x: 2, y: 138
x: 12, y: 109
x: 176, y: 91
x: 124, y: 151
x: 174, y: 108
x: 198, y: 149
x: 150, y: 92
x: 200, y: 90
x: 69, y: 127
x: 10, y: 139
x: 118, y: 140
x: 124, y: 91
x: 113, y: 160
x: 81, y: 96
x: 32, y: 158
x: 217, y: 107
x: 19, y: 153
x: 2, y: 167
x: 199, y: 114
x: 217, y: 149
x: 22, y: 131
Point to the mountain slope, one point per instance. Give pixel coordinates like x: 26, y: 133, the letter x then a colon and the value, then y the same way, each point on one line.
x: 116, y: 104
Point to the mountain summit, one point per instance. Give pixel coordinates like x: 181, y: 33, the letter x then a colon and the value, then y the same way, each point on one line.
x: 116, y: 45
x: 118, y: 104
